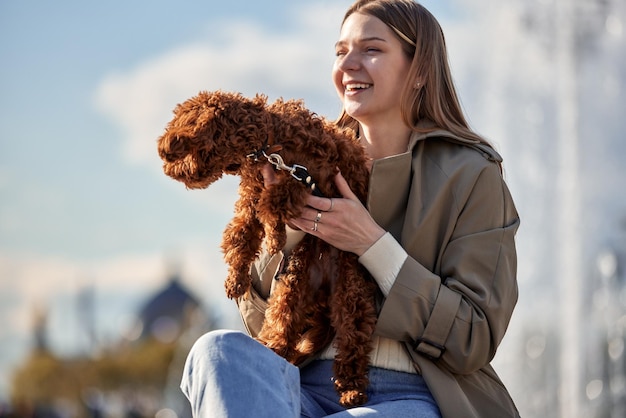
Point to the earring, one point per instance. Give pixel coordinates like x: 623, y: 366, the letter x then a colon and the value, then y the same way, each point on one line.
x: 417, y: 85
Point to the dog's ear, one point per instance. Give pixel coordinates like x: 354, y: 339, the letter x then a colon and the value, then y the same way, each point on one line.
x: 189, y: 131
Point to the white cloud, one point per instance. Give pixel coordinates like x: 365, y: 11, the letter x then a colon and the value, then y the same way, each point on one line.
x: 246, y: 57
x: 42, y: 278
x: 36, y: 276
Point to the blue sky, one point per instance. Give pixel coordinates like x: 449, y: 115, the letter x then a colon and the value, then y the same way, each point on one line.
x: 87, y: 87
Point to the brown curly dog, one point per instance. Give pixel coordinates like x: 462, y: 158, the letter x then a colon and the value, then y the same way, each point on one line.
x: 324, y: 293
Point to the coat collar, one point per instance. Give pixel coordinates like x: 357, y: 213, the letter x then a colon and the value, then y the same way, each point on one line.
x: 390, y: 178
x: 427, y: 129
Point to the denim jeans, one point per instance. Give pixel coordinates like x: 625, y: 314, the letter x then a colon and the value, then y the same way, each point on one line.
x: 229, y: 374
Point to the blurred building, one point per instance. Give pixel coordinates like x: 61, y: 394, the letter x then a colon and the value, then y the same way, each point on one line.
x: 168, y: 312
x: 137, y: 376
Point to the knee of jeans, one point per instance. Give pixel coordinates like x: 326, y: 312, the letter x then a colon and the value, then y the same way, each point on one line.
x: 222, y: 341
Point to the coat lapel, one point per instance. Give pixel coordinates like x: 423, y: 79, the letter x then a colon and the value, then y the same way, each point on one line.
x: 389, y: 190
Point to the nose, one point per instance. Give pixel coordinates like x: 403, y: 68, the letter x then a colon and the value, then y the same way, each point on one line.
x: 348, y: 61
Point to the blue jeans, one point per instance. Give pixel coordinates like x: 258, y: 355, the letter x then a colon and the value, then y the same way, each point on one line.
x: 229, y: 374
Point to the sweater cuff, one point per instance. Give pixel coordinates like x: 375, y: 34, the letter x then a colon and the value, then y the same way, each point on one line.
x: 383, y: 260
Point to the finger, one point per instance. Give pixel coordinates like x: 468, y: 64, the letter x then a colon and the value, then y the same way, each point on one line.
x: 269, y: 176
x: 344, y: 188
x: 326, y: 204
x: 312, y: 214
x: 318, y: 203
x: 306, y: 225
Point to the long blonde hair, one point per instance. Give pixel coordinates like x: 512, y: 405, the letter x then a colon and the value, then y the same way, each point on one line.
x: 423, y: 42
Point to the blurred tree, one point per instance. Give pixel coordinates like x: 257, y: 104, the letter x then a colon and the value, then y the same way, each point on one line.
x: 138, y: 369
x: 132, y: 376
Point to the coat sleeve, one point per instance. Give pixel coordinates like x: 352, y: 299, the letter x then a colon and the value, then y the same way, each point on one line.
x: 253, y: 304
x: 458, y: 316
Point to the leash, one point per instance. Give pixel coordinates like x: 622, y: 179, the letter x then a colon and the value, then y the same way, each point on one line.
x: 297, y: 171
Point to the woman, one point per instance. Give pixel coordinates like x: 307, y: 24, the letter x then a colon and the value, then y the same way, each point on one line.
x: 437, y: 235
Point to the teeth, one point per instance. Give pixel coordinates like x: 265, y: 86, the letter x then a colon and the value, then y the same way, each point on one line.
x: 357, y: 86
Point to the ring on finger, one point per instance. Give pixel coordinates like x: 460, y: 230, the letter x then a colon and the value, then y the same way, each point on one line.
x: 331, y: 205
x: 314, y: 229
x: 318, y: 217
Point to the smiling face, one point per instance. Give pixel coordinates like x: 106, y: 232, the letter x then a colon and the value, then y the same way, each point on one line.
x: 370, y: 70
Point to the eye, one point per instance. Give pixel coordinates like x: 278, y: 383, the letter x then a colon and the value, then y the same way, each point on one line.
x: 372, y: 49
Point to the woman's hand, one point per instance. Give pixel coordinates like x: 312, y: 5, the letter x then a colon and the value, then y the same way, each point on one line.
x: 342, y: 222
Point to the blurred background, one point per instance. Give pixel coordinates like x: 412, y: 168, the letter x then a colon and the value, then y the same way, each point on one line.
x: 109, y: 270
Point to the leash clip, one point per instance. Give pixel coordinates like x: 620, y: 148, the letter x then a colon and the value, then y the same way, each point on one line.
x: 297, y: 171
x: 278, y: 162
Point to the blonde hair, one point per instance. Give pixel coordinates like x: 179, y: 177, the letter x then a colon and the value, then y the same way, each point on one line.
x: 423, y: 42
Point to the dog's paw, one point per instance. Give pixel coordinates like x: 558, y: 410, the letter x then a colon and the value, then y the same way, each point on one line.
x: 352, y: 398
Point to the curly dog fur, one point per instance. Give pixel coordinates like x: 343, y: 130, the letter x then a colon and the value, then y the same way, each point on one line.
x: 324, y: 293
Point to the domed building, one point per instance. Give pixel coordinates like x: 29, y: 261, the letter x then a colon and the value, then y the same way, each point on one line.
x: 168, y: 312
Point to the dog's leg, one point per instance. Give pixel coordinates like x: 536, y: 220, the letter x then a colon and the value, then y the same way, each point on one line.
x: 354, y: 319
x: 317, y: 332
x: 285, y: 316
x: 241, y: 242
x: 280, y: 203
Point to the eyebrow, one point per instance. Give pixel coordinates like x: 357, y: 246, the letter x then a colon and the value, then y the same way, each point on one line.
x: 369, y: 39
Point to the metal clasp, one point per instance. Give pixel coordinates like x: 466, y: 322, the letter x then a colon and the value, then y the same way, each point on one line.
x: 277, y: 161
x: 297, y: 171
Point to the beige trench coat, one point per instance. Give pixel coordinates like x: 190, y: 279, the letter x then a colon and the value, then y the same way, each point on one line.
x: 447, y: 204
